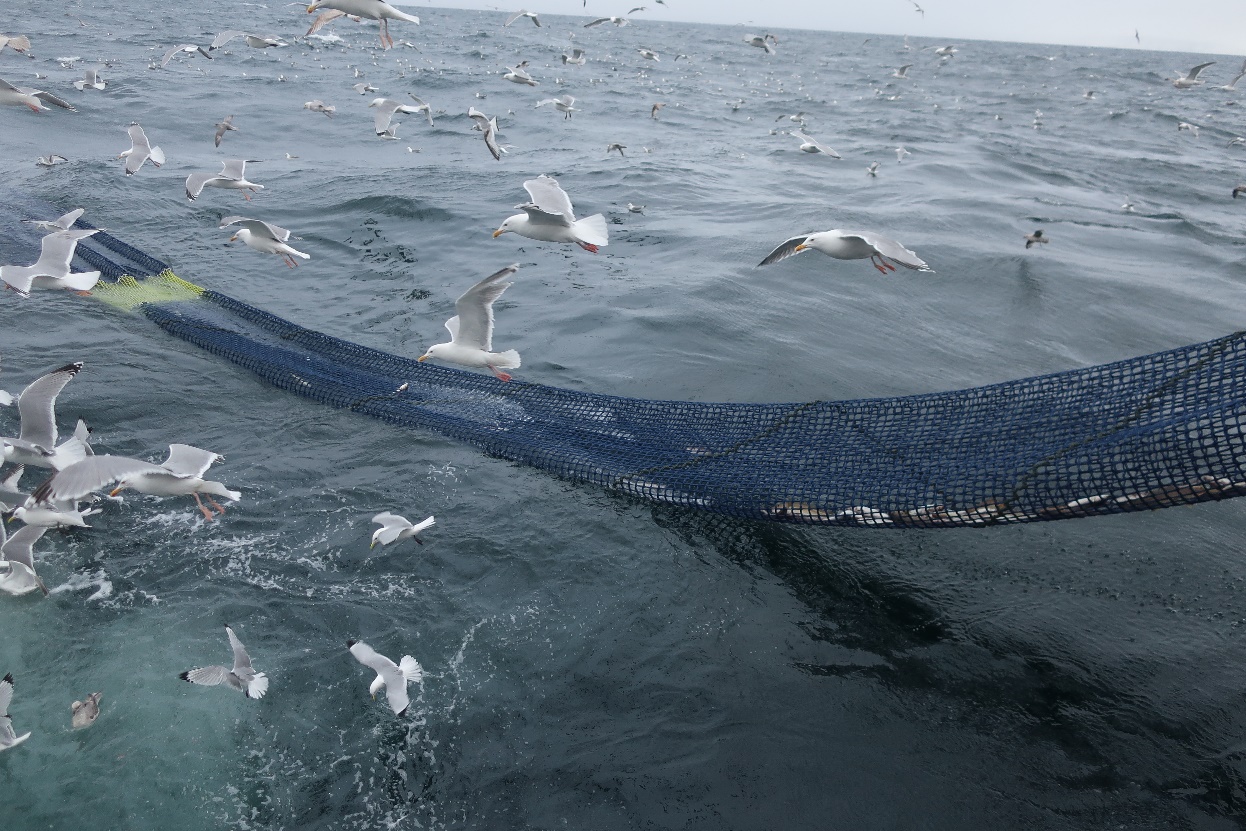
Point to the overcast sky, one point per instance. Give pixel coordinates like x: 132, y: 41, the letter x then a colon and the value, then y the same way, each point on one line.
x: 1215, y: 26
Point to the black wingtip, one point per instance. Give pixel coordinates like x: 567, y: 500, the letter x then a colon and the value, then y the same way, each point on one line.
x: 351, y: 643
x: 185, y: 676
x: 8, y: 677
x: 403, y: 712
x: 72, y: 369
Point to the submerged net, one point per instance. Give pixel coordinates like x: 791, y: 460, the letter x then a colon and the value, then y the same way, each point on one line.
x: 1143, y: 433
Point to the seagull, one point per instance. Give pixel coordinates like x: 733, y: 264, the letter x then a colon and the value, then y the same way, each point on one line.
x: 265, y: 238
x: 901, y: 153
x: 7, y: 737
x: 649, y: 54
x: 377, y: 10
x: 1236, y: 141
x: 812, y: 145
x: 872, y: 169
x: 17, y: 563
x: 1128, y: 206
x: 637, y: 9
x: 254, y: 41
x: 318, y: 106
x: 1036, y: 237
x: 242, y: 677
x: 798, y: 118
x: 471, y: 329
x: 576, y: 57
x: 50, y: 160
x: 395, y: 529
x: 140, y: 151
x: 10, y: 496
x: 851, y: 245
x: 36, y: 443
x: 517, y: 75
x: 946, y: 51
x: 655, y: 109
x: 616, y: 146
x: 85, y: 712
x: 53, y: 269
x: 224, y: 126
x: 364, y: 89
x: 1191, y: 78
x: 523, y: 13
x: 1231, y: 86
x: 32, y: 98
x: 488, y: 126
x: 385, y: 109
x: 563, y: 105
x: 393, y: 677
x: 90, y: 79
x: 1240, y: 189
x: 18, y: 43
x: 549, y: 217
x: 902, y: 72
x: 635, y: 209
x: 180, y: 474
x: 617, y: 21
x: 63, y: 223
x: 918, y: 8
x: 232, y: 177
x: 1192, y: 128
x: 183, y: 47
x: 760, y: 43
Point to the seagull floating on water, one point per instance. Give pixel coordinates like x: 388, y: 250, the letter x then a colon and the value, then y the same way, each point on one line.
x: 50, y: 160
x: 84, y: 713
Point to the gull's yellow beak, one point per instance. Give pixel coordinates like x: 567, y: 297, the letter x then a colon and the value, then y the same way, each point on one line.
x: 800, y: 247
x: 311, y: 8
x: 373, y: 545
x: 422, y: 358
x: 234, y: 238
x: 11, y: 517
x: 115, y: 491
x: 499, y: 232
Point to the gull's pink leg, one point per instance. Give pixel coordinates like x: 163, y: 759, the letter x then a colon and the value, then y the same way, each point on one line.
x: 588, y: 246
x: 206, y: 513
x: 502, y: 376
x: 214, y: 504
x: 246, y: 196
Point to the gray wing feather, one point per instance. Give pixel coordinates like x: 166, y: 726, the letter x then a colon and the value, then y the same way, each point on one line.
x: 893, y: 250
x: 195, y: 183
x: 786, y: 249
x: 185, y: 460
x: 225, y: 37
x: 81, y: 479
x: 6, y: 694
x: 37, y: 406
x: 208, y: 676
x: 384, y: 114
x: 542, y: 217
x: 242, y: 661
x: 475, y: 309
x: 257, y: 226
x: 69, y: 219
x: 234, y: 169
x: 19, y: 548
x: 549, y: 196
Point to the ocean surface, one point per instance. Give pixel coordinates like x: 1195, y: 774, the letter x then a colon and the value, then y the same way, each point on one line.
x: 594, y: 662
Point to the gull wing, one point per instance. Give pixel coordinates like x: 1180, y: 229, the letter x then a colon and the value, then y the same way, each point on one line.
x: 549, y: 197
x: 515, y: 17
x: 7, y: 737
x: 85, y: 477
x: 475, y: 310
x: 786, y: 249
x: 184, y: 47
x: 225, y: 37
x: 69, y: 219
x: 384, y: 113
x: 234, y: 168
x: 185, y: 460
x: 1193, y: 73
x: 57, y: 250
x: 258, y: 226
x: 597, y: 22
x: 892, y: 250
x: 19, y: 548
x: 37, y: 405
x: 482, y: 120
x: 207, y: 676
x: 567, y: 101
x: 427, y: 108
x: 822, y: 148
x: 541, y: 217
x: 322, y: 19
x: 43, y: 95
x: 242, y: 661
x: 491, y: 140
x: 7, y: 87
x: 195, y: 183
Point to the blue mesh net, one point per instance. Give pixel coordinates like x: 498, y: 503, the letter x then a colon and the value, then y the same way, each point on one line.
x: 1143, y: 433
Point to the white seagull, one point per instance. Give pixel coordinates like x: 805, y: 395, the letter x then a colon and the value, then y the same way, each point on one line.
x: 265, y: 238
x: 395, y: 528
x: 471, y: 329
x: 7, y: 737
x: 36, y: 443
x: 1190, y: 79
x: 576, y: 57
x: 902, y: 72
x: 812, y: 145
x: 488, y: 126
x: 563, y: 104
x: 318, y: 106
x: 180, y: 48
x: 1231, y: 86
x: 242, y: 677
x: 225, y: 125
x: 52, y: 270
x: 649, y: 55
x: 180, y: 474
x: 90, y: 79
x: 901, y: 153
x: 393, y: 677
x: 760, y: 43
x: 517, y: 75
x: 140, y: 151
x: 617, y: 21
x: 372, y: 9
x: 549, y: 217
x: 254, y: 41
x: 63, y: 223
x: 33, y: 98
x: 17, y: 561
x: 523, y: 13
x: 51, y: 160
x: 84, y: 713
x: 850, y: 245
x: 385, y: 109
x: 232, y: 177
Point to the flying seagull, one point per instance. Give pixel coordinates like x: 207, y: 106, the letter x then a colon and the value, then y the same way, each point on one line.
x: 850, y: 245
x: 395, y: 528
x: 393, y: 677
x: 471, y: 329
x: 241, y: 677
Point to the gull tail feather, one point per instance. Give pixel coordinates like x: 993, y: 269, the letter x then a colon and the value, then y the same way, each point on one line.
x: 507, y: 360
x: 592, y: 230
x: 411, y: 669
x: 82, y: 281
x: 156, y: 156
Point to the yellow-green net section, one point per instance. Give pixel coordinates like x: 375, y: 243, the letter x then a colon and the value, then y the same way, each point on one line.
x: 128, y: 293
